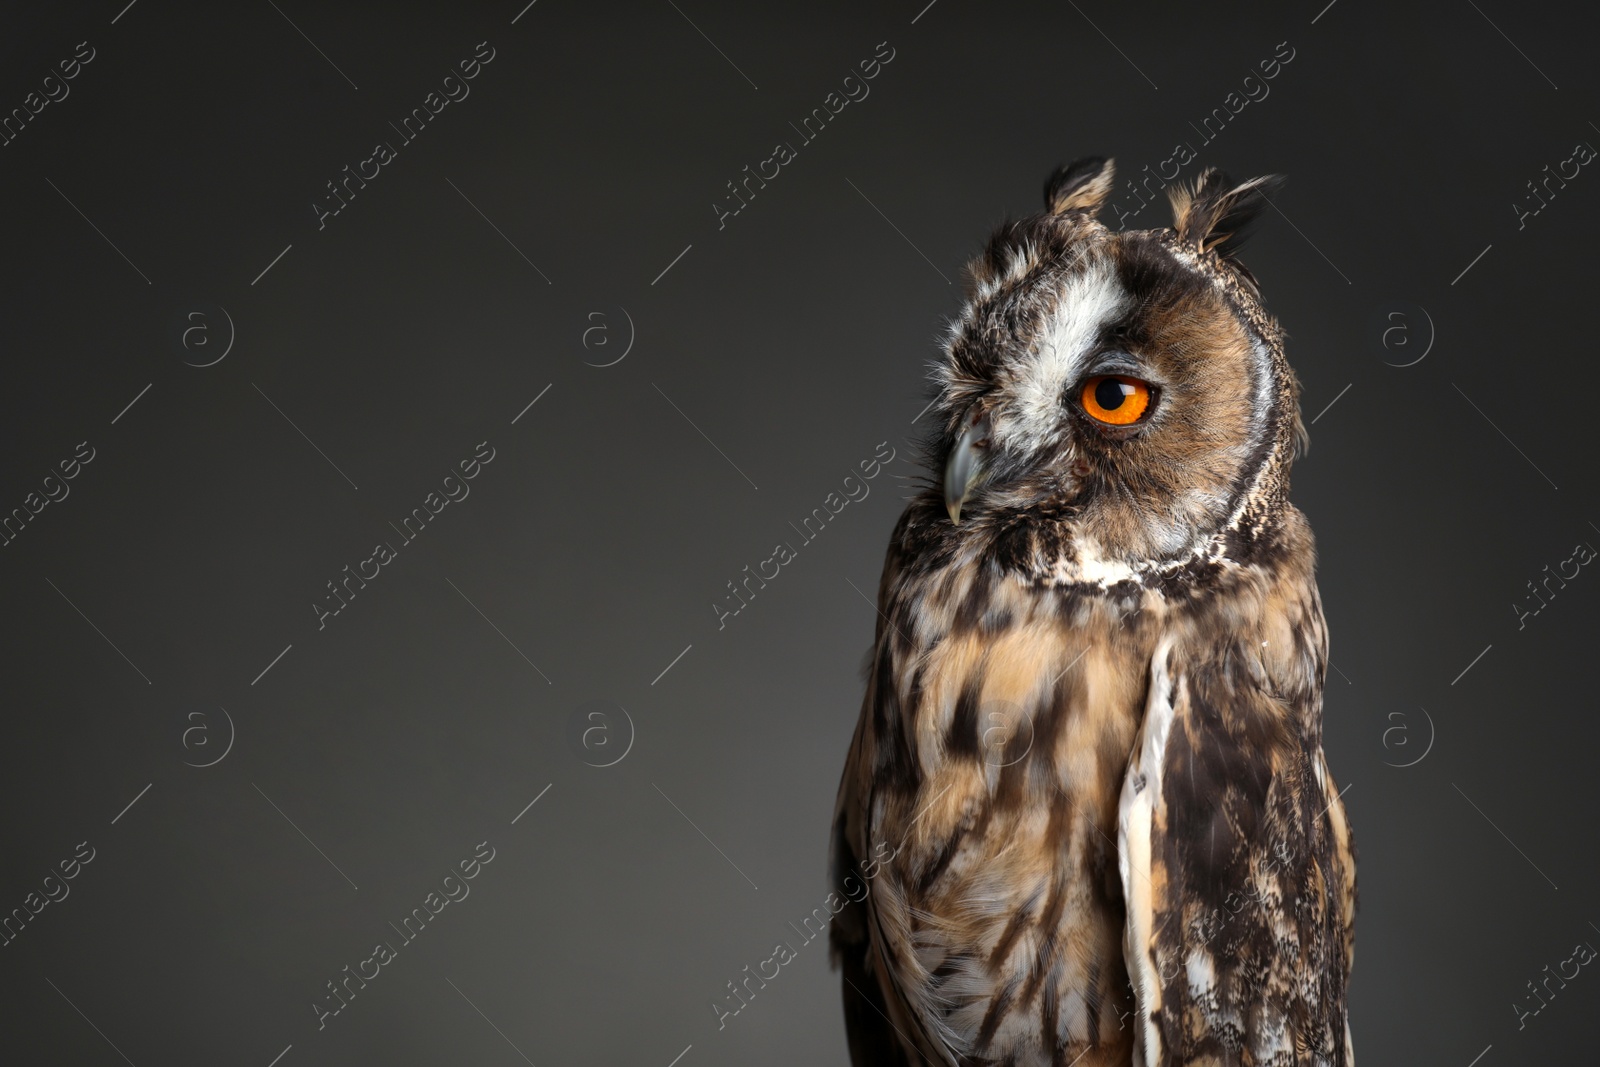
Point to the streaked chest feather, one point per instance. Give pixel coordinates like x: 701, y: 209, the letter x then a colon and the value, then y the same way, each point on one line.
x: 1007, y: 713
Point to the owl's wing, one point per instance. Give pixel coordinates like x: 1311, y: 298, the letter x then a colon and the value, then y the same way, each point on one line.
x: 1238, y: 873
x: 872, y: 1036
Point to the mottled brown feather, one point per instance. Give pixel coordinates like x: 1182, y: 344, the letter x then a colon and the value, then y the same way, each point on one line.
x: 1012, y: 676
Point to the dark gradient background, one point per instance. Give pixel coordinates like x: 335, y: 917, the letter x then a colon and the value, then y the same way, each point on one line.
x: 777, y: 353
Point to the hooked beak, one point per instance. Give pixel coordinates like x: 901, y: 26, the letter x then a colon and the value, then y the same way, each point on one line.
x: 964, y: 467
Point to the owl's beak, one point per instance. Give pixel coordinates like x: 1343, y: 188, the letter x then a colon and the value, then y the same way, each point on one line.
x: 964, y: 467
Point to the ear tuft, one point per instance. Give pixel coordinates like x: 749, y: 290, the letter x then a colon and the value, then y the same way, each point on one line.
x: 1216, y: 215
x: 1081, y: 186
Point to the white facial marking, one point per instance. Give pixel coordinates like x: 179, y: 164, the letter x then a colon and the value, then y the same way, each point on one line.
x: 1030, y: 413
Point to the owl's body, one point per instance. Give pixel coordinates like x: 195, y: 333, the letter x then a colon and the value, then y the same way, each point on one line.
x: 1087, y: 792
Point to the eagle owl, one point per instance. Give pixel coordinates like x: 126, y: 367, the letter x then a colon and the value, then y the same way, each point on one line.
x: 1086, y: 808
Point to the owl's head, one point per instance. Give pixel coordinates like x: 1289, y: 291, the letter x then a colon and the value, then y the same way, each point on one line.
x: 1113, y: 403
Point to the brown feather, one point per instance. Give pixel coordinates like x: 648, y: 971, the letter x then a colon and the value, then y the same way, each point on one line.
x: 1096, y: 584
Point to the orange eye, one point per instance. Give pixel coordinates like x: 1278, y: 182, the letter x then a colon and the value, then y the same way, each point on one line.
x: 1115, y: 399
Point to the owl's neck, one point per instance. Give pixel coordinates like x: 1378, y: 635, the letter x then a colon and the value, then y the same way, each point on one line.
x: 1062, y: 550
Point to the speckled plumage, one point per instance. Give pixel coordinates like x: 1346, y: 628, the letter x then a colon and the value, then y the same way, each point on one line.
x: 1091, y: 740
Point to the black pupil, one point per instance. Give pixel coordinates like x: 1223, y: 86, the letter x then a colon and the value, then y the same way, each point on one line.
x: 1110, y: 393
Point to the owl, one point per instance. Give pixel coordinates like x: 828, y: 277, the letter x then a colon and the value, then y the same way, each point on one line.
x: 1085, y: 811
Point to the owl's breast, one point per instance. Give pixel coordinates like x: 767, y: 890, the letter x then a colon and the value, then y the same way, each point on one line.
x: 1011, y: 713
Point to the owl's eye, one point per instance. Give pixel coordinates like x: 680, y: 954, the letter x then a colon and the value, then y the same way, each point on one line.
x: 1115, y: 399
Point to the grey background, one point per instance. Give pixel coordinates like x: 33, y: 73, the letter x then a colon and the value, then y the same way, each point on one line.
x: 408, y: 330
